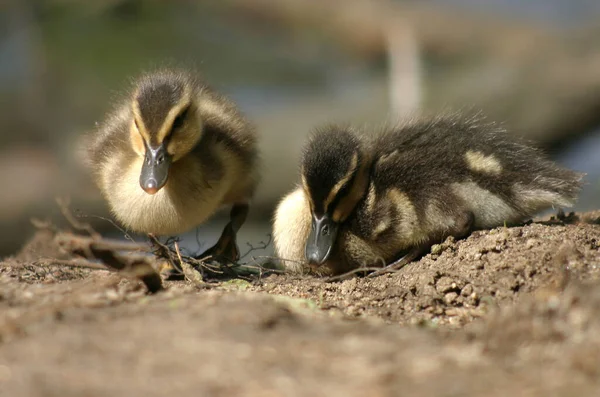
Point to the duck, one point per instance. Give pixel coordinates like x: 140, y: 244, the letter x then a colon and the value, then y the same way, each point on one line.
x: 173, y: 153
x: 379, y: 199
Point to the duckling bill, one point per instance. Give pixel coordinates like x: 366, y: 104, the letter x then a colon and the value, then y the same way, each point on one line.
x: 155, y: 169
x: 381, y: 200
x: 172, y: 154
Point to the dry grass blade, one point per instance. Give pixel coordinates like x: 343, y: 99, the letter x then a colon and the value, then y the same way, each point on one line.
x: 208, y: 267
x: 189, y: 272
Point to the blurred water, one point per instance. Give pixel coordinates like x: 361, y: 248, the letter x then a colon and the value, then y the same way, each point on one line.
x: 584, y: 156
x: 565, y: 13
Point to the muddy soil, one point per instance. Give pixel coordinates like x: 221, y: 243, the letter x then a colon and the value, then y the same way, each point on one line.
x: 511, y: 311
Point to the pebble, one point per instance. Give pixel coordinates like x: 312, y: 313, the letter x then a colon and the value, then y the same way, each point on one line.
x: 112, y: 295
x: 467, y: 290
x: 531, y: 243
x: 445, y: 284
x: 450, y: 297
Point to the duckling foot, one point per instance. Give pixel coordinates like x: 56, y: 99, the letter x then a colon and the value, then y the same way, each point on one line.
x: 226, y: 251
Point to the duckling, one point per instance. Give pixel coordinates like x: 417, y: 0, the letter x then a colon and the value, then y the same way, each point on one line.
x: 382, y: 200
x: 172, y: 154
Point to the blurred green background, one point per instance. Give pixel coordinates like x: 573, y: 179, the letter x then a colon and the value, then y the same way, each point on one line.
x: 290, y: 65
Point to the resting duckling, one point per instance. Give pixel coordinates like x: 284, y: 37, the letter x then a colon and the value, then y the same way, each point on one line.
x: 172, y: 154
x: 383, y: 200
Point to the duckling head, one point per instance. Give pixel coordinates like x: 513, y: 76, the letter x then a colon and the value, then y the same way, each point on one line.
x: 165, y: 124
x: 334, y: 174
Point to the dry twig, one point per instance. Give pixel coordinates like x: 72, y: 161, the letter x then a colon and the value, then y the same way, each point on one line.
x: 132, y: 257
x: 95, y: 248
x: 106, y: 251
x: 63, y: 204
x: 208, y: 267
x: 354, y: 272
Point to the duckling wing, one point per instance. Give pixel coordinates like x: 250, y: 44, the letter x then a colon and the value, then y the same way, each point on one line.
x: 448, y: 163
x: 110, y: 143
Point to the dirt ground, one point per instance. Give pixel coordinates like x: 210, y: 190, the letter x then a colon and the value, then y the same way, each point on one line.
x: 511, y: 311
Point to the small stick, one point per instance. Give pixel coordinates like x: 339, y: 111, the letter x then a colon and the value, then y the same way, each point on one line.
x: 43, y: 225
x: 119, y: 228
x: 353, y: 272
x: 189, y: 272
x: 71, y: 241
x: 63, y: 204
x: 105, y: 251
x: 262, y: 245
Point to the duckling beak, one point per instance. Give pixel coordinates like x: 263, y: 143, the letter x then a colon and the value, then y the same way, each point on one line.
x: 321, y: 239
x: 155, y: 169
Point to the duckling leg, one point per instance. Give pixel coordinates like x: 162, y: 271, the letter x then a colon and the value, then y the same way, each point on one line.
x: 226, y: 249
x: 464, y: 226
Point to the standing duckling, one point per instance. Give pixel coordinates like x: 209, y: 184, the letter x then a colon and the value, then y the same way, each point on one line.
x: 383, y: 200
x: 172, y: 154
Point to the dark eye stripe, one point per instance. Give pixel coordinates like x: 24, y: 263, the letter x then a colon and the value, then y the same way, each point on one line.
x: 178, y: 122
x: 343, y: 192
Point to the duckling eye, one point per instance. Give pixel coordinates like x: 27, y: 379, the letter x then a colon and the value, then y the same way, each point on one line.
x: 178, y: 122
x: 325, y: 230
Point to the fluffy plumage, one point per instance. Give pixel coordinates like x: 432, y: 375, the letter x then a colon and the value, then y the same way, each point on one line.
x: 172, y: 154
x: 390, y: 195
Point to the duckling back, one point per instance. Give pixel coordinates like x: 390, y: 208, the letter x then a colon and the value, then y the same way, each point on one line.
x: 456, y: 162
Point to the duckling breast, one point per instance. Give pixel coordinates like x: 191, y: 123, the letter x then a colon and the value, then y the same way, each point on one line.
x: 291, y: 227
x: 178, y: 207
